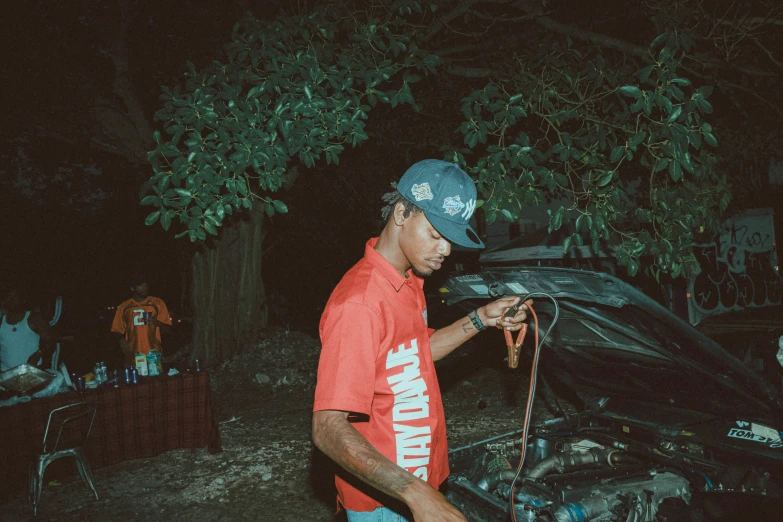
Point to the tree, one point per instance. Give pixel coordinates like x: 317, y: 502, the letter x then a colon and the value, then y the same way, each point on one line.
x: 620, y: 130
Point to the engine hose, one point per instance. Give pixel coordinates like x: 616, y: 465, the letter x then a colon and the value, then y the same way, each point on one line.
x: 562, y: 463
x: 566, y: 462
x: 491, y: 480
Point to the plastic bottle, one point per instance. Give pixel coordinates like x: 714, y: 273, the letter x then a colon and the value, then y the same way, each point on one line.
x: 141, y: 364
x: 152, y: 363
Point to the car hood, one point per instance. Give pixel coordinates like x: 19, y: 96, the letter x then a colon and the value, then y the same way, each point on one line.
x: 615, y: 345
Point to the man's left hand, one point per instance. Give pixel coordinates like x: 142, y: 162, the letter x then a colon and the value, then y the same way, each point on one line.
x: 33, y: 359
x: 492, y: 315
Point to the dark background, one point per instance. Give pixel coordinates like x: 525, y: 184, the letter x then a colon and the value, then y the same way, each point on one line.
x: 57, y: 240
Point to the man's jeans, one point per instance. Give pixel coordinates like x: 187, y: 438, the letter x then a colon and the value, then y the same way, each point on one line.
x: 381, y: 514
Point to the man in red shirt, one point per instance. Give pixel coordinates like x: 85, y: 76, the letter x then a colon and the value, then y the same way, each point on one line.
x: 378, y: 410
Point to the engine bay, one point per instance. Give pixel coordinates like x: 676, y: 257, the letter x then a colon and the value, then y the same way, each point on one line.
x: 594, y: 473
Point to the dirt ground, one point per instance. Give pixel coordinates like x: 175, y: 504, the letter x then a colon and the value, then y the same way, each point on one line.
x: 269, y: 470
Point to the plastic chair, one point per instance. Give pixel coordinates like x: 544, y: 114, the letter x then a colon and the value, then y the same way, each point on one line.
x: 58, y: 310
x: 68, y: 428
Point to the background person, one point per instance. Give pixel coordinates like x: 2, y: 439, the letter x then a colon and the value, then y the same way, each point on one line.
x: 25, y: 337
x: 137, y: 334
x: 378, y: 410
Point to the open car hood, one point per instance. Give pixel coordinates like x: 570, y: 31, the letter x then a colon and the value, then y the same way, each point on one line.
x: 614, y: 345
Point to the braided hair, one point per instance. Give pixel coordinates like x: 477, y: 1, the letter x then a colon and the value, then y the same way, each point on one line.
x: 391, y: 199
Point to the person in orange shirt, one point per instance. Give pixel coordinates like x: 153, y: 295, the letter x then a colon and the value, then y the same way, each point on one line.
x: 139, y: 321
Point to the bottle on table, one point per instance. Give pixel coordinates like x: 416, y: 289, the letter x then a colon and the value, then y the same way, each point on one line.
x: 152, y: 363
x: 141, y: 364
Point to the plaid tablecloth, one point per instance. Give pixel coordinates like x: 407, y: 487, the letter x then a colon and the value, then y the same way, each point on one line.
x: 131, y: 422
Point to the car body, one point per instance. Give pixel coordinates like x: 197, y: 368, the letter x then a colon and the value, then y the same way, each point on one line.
x: 667, y: 424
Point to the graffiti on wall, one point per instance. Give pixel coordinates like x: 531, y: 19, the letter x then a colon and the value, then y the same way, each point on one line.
x: 739, y: 269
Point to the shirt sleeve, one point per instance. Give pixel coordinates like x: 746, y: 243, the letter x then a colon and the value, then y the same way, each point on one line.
x: 163, y: 313
x: 118, y: 325
x: 351, y: 335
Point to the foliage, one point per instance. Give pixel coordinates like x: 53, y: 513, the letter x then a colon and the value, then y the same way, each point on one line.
x: 289, y: 91
x: 628, y: 154
x: 618, y: 134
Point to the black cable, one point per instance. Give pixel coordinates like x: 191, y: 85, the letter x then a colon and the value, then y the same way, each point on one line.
x: 534, y: 378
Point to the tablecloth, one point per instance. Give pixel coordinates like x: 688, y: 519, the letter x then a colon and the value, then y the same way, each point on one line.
x: 131, y: 422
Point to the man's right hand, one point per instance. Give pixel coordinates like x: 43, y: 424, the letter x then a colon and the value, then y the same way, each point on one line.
x: 125, y: 346
x: 428, y: 505
x: 339, y: 440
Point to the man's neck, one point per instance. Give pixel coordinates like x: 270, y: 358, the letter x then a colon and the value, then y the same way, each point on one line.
x: 388, y: 248
x: 15, y: 316
x: 139, y: 299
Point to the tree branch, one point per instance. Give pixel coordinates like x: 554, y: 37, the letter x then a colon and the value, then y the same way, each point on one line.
x: 595, y: 38
x: 768, y: 52
x: 471, y: 72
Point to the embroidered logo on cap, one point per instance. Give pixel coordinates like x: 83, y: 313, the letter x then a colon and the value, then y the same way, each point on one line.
x: 453, y: 205
x: 422, y: 191
x: 470, y: 207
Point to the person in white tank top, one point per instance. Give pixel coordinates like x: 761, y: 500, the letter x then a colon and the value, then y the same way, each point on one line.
x: 25, y: 337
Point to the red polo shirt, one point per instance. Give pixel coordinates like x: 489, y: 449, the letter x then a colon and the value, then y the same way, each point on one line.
x: 376, y: 361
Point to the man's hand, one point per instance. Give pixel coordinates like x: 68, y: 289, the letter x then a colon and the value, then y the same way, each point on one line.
x: 339, y: 440
x: 428, y: 505
x: 125, y: 346
x: 493, y: 313
x: 33, y: 359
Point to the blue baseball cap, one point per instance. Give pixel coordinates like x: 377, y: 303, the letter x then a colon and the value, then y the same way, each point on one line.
x: 446, y: 195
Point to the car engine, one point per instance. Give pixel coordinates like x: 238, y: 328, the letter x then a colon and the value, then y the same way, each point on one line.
x: 577, y: 476
x: 564, y: 480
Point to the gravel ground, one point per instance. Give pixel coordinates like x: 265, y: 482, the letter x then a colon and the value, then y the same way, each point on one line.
x: 268, y: 469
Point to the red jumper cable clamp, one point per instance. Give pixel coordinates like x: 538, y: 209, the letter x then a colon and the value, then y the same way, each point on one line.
x: 514, y: 348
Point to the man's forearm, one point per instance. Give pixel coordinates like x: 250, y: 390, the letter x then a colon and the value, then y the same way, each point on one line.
x: 447, y: 339
x: 334, y: 435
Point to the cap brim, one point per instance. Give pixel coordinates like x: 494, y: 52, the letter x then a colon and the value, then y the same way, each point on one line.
x: 462, y: 235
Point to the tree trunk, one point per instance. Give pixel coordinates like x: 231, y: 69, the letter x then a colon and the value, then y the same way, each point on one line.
x: 229, y: 299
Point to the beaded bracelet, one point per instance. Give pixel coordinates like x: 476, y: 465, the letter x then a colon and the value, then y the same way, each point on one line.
x: 476, y: 320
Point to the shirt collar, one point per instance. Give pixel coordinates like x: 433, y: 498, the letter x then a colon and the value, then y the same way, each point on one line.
x: 382, y: 265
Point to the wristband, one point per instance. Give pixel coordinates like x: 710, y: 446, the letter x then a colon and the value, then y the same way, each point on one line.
x: 476, y: 320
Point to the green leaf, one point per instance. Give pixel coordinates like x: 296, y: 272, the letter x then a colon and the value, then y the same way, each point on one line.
x: 557, y: 219
x: 659, y: 39
x: 617, y: 153
x: 631, y: 91
x: 165, y: 219
x: 675, y: 113
x: 644, y: 74
x: 636, y: 139
x: 152, y: 218
x: 633, y: 267
x: 148, y: 199
x: 710, y: 139
x: 280, y: 207
x: 607, y: 177
x: 567, y: 244
x: 675, y: 171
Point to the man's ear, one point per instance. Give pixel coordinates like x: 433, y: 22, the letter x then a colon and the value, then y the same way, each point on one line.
x: 399, y: 213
